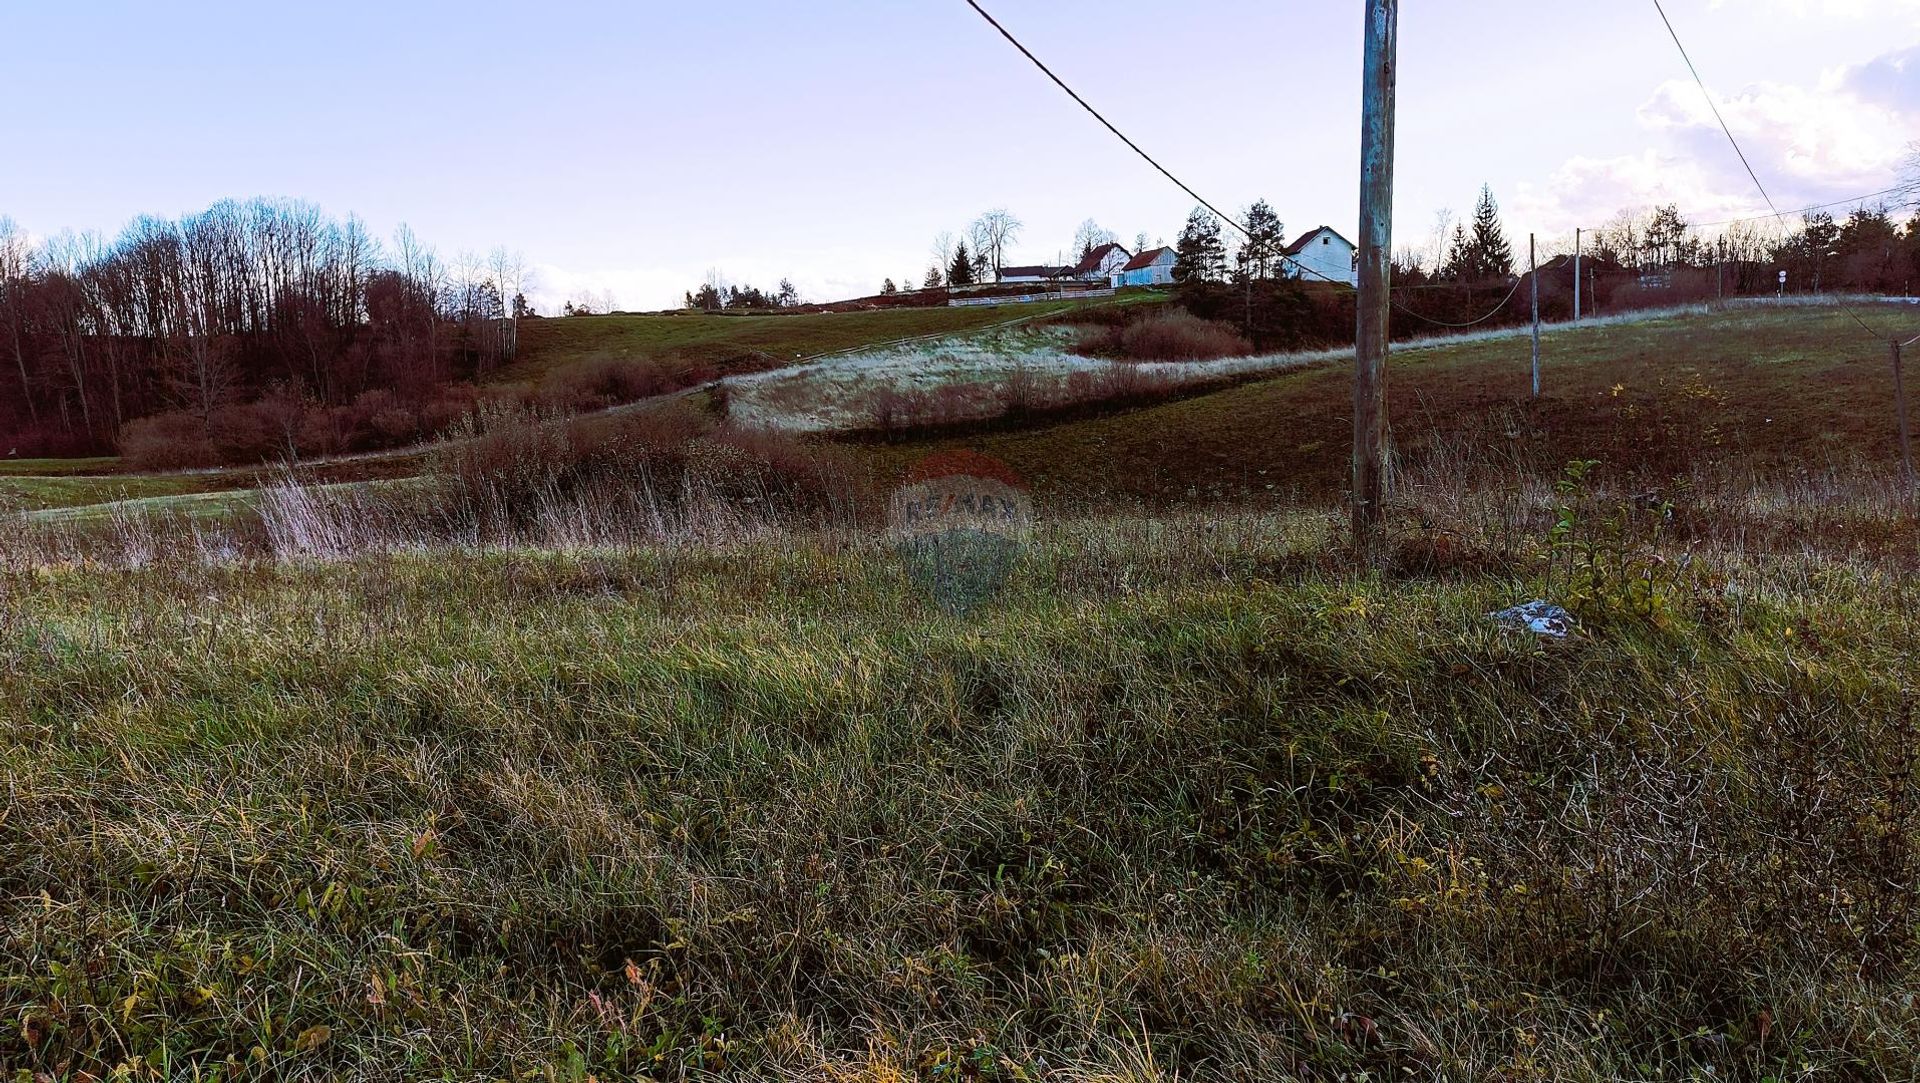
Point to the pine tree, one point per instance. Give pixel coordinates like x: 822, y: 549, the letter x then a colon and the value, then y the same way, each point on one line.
x: 932, y: 281
x: 960, y: 271
x: 1666, y: 238
x: 1200, y: 255
x: 888, y: 289
x: 1459, y: 255
x: 1260, y: 253
x: 1491, y: 256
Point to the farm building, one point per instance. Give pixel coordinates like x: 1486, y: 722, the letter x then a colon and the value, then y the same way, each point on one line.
x: 1150, y: 268
x: 1101, y: 264
x: 1322, y: 255
x: 1036, y: 273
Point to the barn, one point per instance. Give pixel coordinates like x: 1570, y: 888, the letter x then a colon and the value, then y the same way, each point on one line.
x: 1150, y: 268
x: 1323, y: 255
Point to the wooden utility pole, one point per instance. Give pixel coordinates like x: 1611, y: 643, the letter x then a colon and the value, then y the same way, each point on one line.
x: 1900, y: 404
x: 1533, y: 273
x: 1376, y: 248
x: 1576, y: 275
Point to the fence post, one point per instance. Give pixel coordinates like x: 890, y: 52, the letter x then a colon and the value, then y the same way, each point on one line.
x: 1576, y: 276
x: 1533, y: 272
x: 1900, y: 404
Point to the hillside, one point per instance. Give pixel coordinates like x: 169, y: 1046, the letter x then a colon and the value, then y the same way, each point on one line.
x: 1790, y: 392
x: 732, y: 342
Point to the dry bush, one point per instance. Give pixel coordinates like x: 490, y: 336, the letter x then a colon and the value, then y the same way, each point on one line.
x: 170, y: 441
x: 513, y: 473
x: 600, y: 383
x: 1174, y: 335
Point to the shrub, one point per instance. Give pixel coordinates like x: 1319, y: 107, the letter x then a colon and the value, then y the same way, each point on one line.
x: 1175, y: 335
x: 601, y: 382
x: 171, y: 441
x: 508, y: 470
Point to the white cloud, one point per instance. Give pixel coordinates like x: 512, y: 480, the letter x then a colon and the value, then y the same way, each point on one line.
x: 1843, y: 137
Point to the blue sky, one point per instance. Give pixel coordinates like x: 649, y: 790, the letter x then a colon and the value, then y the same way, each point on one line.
x: 633, y: 146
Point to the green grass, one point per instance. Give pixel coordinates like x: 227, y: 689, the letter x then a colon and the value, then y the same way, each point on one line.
x: 551, y: 343
x: 43, y: 493
x: 1189, y: 801
x: 58, y: 467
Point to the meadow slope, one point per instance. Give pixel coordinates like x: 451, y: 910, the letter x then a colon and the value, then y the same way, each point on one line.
x: 1795, y: 392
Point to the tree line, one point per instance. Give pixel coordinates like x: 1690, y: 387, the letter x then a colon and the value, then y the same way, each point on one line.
x: 716, y: 294
x: 203, y: 318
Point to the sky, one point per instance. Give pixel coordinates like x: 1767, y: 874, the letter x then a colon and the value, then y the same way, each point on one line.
x: 632, y: 147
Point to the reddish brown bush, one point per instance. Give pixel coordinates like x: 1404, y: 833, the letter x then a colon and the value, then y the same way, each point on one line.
x: 169, y: 441
x: 601, y: 382
x: 1174, y: 335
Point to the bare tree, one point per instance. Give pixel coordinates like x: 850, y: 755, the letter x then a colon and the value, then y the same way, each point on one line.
x: 991, y: 234
x: 16, y: 263
x: 1090, y: 236
x: 1436, y: 251
x: 1910, y: 175
x: 509, y: 270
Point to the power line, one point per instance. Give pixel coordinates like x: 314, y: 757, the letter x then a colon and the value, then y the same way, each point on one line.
x: 1184, y: 186
x: 1715, y: 106
x: 1900, y: 189
x: 1095, y: 113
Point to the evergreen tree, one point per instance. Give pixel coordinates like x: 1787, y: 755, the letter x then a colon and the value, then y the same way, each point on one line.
x: 888, y: 289
x: 1200, y: 255
x: 1458, y: 255
x: 789, y: 296
x: 932, y: 281
x: 1259, y: 255
x: 960, y: 271
x: 1665, y: 239
x: 1820, y: 240
x: 1490, y: 255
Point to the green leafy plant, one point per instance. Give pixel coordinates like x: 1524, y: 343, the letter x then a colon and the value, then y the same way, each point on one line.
x: 1605, y: 561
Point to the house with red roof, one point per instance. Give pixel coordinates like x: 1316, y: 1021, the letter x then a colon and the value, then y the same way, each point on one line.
x: 1152, y: 268
x: 1101, y: 263
x: 1322, y: 255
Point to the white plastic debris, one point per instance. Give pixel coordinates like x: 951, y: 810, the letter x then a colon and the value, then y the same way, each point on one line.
x: 1539, y: 617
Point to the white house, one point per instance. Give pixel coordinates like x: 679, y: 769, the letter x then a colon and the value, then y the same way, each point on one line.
x: 1151, y: 268
x: 1101, y: 264
x: 1323, y: 255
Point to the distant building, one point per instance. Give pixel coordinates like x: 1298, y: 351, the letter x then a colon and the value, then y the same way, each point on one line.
x: 1101, y: 264
x: 1151, y: 268
x: 1323, y: 255
x: 1037, y: 273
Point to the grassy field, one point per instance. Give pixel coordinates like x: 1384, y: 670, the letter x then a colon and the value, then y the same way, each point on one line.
x: 518, y: 777
x: 1792, y: 392
x: 720, y: 340
x: 58, y: 467
x: 34, y: 494
x: 1189, y: 801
